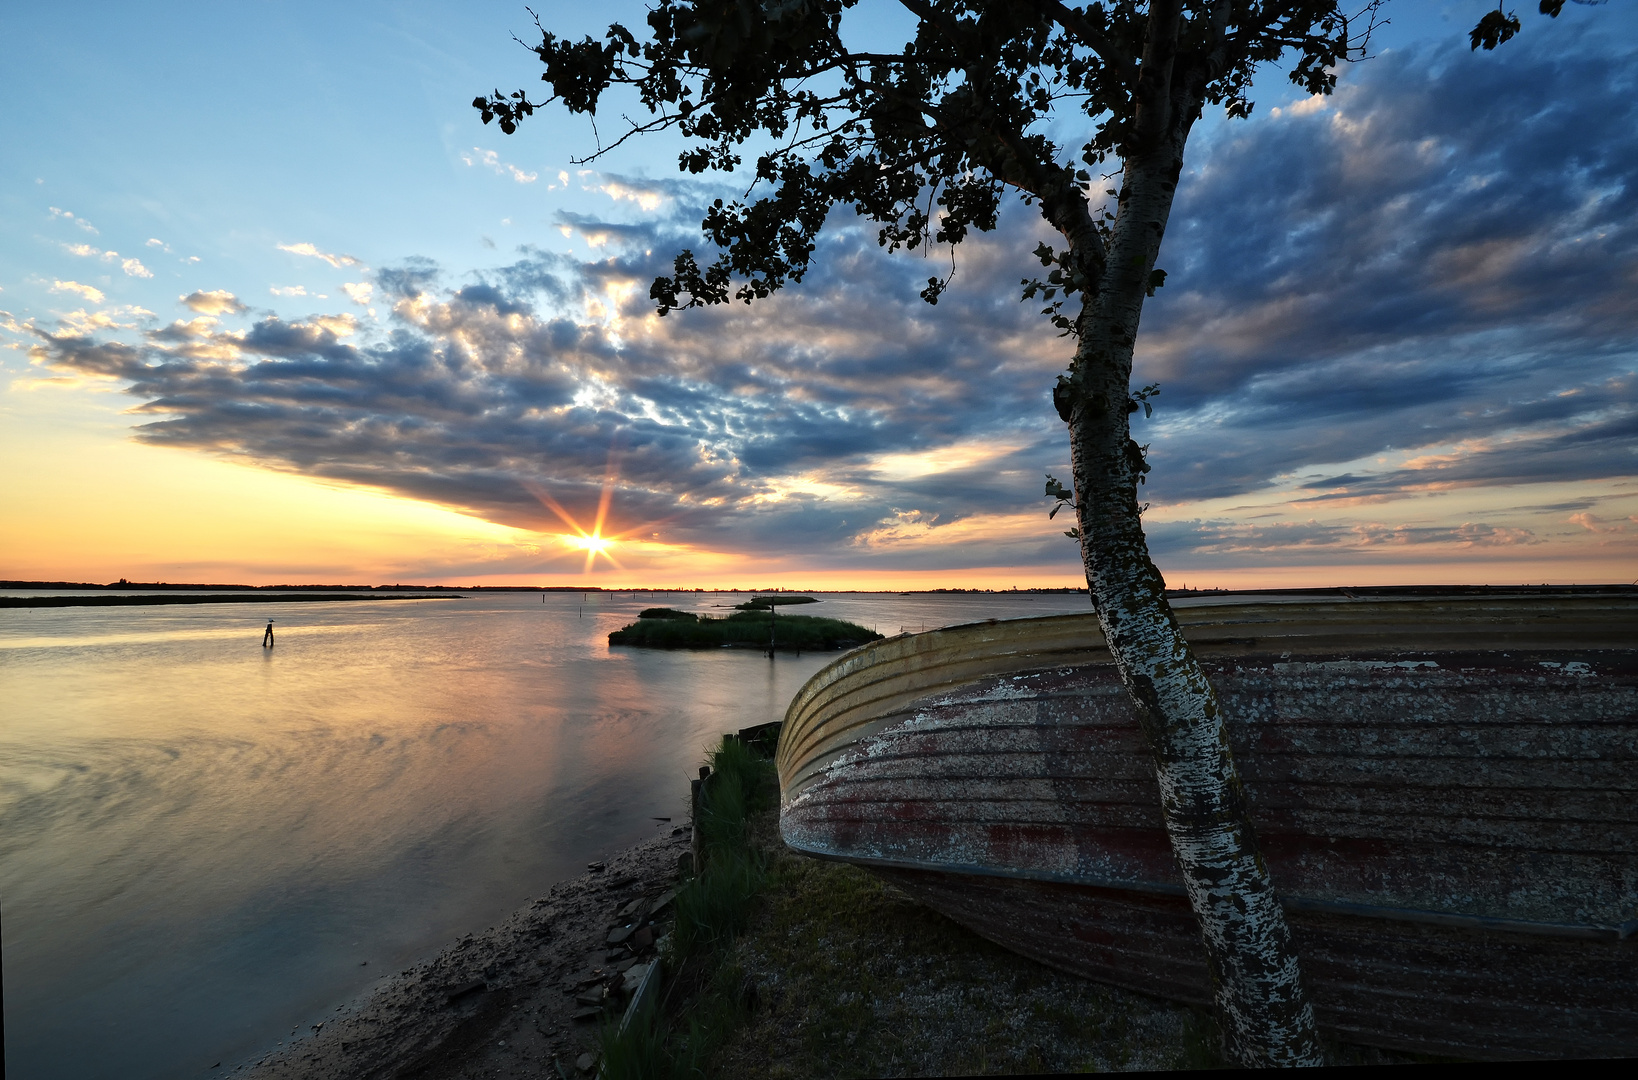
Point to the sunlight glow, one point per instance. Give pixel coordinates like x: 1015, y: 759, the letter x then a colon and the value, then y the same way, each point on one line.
x: 592, y: 541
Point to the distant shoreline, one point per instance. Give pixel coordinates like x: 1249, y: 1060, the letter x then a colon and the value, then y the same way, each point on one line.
x: 134, y: 592
x: 125, y: 599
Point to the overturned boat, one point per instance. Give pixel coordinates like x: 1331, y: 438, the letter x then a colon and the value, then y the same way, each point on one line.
x: 1445, y: 789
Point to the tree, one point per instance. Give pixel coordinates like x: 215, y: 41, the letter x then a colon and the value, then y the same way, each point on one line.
x: 926, y: 140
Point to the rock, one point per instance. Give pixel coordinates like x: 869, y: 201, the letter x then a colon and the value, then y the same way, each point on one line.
x: 585, y: 1062
x: 629, y: 910
x: 625, y: 965
x: 619, y: 934
x: 634, y: 976
x: 663, y: 902
x: 685, y: 864
x: 594, y: 866
x: 462, y: 990
x: 584, y: 1015
x: 589, y: 998
x: 643, y: 938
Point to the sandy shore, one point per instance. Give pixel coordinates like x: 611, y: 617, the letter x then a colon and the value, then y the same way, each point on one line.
x: 511, y: 1002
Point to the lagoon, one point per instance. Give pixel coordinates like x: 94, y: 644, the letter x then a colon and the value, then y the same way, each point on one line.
x: 205, y: 844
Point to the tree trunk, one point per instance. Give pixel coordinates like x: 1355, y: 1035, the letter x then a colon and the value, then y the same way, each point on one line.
x: 1256, y: 982
x: 1257, y: 986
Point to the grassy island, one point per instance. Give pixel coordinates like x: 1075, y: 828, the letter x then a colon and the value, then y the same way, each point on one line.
x: 667, y: 628
x: 763, y: 603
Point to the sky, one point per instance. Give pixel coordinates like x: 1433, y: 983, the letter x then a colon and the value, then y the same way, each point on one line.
x: 275, y: 306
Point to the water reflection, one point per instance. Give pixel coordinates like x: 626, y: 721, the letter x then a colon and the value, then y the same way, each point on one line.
x: 203, y: 841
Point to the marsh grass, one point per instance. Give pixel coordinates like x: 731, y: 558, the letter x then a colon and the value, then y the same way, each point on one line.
x: 714, y: 906
x: 747, y: 629
x: 703, y: 1005
x: 636, y: 1053
x: 667, y: 613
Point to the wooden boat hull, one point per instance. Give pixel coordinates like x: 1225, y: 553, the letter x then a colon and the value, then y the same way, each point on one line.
x: 1443, y: 789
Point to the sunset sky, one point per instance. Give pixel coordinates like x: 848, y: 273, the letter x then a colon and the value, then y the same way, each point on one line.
x: 278, y: 307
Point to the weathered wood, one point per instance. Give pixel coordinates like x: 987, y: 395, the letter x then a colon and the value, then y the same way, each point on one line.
x: 1445, y: 792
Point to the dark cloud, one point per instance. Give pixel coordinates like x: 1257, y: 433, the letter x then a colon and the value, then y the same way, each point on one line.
x: 1437, y: 265
x: 214, y: 302
x: 1445, y: 252
x: 1309, y: 541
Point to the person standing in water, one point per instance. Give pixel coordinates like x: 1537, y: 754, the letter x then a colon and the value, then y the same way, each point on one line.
x: 267, y: 638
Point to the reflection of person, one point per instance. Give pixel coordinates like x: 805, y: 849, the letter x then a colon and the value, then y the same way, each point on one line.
x: 267, y: 638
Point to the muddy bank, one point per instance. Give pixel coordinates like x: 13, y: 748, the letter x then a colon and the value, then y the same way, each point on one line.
x: 522, y: 999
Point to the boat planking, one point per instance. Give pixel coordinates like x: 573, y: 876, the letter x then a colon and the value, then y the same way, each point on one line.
x: 1442, y: 787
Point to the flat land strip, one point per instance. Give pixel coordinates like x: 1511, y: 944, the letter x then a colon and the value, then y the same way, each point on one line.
x: 124, y: 599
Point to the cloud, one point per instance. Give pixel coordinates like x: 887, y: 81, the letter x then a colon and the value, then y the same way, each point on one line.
x: 1439, y: 259
x: 649, y: 197
x: 124, y: 317
x: 64, y: 215
x: 288, y: 290
x: 160, y: 244
x: 1598, y: 525
x: 337, y: 261
x: 92, y: 294
x: 1324, y: 539
x: 358, y: 292
x: 214, y: 302
x: 1421, y: 288
x: 492, y: 160
x: 132, y: 267
x: 791, y: 425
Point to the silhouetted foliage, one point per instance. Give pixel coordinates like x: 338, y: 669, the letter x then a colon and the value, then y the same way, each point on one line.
x: 744, y: 629
x: 667, y: 613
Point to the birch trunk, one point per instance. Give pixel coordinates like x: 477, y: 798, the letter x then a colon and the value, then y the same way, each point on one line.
x: 1257, y: 984
x: 1256, y: 981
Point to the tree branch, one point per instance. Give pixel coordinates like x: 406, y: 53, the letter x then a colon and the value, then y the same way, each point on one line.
x: 1083, y: 31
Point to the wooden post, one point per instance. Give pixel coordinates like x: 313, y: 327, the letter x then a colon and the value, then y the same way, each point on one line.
x: 696, y: 788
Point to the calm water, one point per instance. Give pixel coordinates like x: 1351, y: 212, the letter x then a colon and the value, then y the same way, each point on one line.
x: 204, y: 843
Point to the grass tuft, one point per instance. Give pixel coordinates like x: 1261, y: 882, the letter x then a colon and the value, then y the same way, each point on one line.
x: 668, y: 613
x: 713, y: 907
x: 638, y: 1052
x: 763, y: 603
x: 743, y: 629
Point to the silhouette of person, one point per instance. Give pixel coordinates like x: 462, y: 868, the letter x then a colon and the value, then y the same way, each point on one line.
x: 267, y: 638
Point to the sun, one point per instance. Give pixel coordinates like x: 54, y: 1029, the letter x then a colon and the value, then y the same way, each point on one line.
x: 597, y: 545
x: 592, y: 541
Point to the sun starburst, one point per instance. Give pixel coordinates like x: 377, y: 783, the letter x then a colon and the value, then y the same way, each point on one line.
x: 592, y: 540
